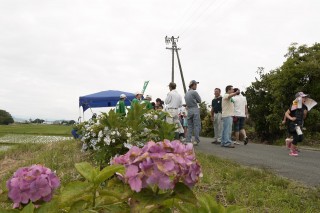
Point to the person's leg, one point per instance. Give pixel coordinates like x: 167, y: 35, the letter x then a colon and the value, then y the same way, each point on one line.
x: 190, y: 125
x: 236, y: 126
x: 288, y: 142
x: 197, y: 125
x: 227, y: 123
x: 219, y: 121
x: 177, y: 122
x: 242, y: 130
x: 229, y: 128
x: 215, y: 127
x: 294, y: 143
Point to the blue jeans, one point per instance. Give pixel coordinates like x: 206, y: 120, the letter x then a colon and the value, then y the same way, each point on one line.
x: 226, y: 131
x: 194, y: 124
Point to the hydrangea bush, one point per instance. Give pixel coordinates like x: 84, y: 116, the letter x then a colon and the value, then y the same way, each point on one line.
x: 35, y: 183
x: 161, y: 164
x: 111, y: 134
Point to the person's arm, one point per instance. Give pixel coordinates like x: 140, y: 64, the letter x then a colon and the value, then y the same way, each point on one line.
x: 212, y: 111
x: 284, y: 119
x: 197, y: 97
x: 289, y: 117
x: 168, y: 99
x: 305, y: 112
x: 233, y: 94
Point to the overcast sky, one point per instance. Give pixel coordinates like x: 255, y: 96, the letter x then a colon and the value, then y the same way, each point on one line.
x: 52, y: 52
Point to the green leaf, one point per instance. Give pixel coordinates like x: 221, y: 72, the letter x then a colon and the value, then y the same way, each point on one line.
x: 184, y: 193
x: 107, y: 172
x: 78, y: 206
x: 48, y: 207
x: 76, y: 191
x: 106, y: 200
x: 28, y: 208
x: 110, y: 193
x: 86, y: 170
x: 148, y: 201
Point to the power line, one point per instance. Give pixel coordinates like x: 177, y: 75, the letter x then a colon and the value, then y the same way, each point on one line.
x: 201, y: 15
x: 194, y: 13
x: 181, y: 17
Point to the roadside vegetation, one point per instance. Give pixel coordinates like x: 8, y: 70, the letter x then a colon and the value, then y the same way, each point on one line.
x: 229, y: 183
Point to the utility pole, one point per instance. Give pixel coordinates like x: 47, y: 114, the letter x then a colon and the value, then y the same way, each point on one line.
x: 174, y: 48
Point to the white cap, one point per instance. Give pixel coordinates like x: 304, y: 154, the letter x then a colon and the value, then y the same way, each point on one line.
x: 123, y: 96
x: 138, y: 93
x: 149, y: 96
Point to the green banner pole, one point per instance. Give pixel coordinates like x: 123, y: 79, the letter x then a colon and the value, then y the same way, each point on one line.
x: 145, y: 86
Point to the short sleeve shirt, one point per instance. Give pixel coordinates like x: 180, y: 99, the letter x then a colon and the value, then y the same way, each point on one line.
x: 217, y: 105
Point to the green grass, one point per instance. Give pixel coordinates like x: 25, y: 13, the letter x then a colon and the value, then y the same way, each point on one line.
x: 256, y: 190
x: 36, y: 129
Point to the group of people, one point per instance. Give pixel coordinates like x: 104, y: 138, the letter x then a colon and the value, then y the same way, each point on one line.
x: 173, y: 105
x: 227, y: 111
x: 121, y: 108
x: 191, y: 124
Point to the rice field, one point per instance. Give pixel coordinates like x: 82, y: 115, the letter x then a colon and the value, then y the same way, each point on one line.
x: 9, y: 141
x: 20, y: 138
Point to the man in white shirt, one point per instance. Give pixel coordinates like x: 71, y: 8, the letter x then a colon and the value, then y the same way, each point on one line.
x: 173, y: 102
x: 227, y: 113
x: 240, y: 113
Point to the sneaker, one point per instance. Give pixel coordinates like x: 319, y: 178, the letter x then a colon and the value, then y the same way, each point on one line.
x: 245, y: 140
x: 214, y: 142
x: 229, y: 146
x: 236, y: 143
x: 293, y: 153
x: 195, y: 143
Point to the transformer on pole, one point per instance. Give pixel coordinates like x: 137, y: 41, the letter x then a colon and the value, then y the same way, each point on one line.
x: 174, y: 48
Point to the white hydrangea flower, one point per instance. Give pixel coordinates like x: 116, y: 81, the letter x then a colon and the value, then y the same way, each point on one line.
x: 129, y: 134
x: 127, y: 145
x: 113, y: 140
x: 107, y: 140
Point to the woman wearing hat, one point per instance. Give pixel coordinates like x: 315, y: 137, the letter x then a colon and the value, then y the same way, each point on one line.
x: 296, y: 115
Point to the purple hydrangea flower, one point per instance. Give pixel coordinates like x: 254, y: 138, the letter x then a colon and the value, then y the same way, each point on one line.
x: 35, y: 183
x: 162, y: 164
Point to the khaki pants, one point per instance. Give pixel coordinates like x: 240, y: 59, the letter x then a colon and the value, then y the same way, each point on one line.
x: 174, y: 119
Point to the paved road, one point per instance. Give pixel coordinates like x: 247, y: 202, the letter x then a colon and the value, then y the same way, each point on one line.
x: 305, y: 168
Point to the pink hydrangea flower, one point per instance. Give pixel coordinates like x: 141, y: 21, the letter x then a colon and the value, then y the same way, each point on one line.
x: 162, y: 164
x: 35, y: 183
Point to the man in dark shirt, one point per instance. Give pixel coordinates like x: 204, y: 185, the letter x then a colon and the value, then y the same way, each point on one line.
x: 216, y: 110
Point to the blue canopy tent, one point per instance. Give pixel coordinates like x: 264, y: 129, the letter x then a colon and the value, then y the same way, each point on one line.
x: 107, y: 98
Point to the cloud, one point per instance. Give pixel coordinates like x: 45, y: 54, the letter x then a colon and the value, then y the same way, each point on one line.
x: 52, y: 52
